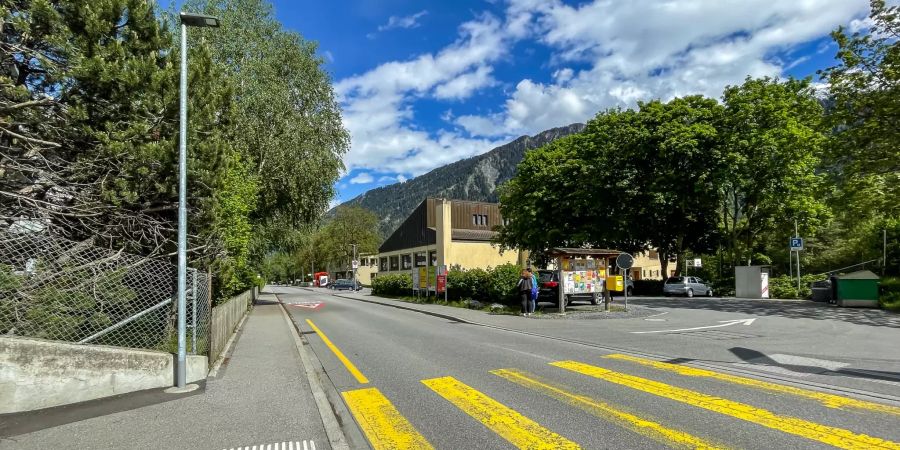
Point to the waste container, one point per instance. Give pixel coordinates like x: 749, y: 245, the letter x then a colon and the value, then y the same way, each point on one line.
x: 857, y: 289
x: 821, y: 291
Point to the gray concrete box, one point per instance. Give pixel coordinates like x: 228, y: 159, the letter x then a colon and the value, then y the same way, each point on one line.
x: 751, y: 281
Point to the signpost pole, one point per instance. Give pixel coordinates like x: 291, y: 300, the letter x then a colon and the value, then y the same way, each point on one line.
x: 561, y: 298
x: 625, y: 287
x: 797, y: 233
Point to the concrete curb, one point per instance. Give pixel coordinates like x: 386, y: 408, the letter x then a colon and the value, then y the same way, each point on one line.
x: 336, y: 437
x: 693, y: 363
x: 214, y: 371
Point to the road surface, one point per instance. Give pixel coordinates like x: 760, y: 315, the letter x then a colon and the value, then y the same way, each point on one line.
x: 429, y: 382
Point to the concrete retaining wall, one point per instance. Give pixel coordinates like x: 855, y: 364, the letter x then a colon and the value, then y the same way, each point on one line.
x: 224, y: 319
x: 37, y: 374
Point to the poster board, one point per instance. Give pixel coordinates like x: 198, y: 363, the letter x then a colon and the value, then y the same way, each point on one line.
x: 582, y: 276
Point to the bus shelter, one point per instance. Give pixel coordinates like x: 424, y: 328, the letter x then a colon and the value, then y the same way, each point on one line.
x: 582, y: 271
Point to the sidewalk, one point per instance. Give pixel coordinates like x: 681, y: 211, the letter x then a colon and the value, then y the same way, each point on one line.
x: 260, y: 396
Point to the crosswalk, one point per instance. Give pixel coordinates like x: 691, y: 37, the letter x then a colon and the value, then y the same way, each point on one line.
x: 387, y: 427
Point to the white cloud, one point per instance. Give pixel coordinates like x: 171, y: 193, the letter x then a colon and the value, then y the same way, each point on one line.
x: 464, y: 85
x: 401, y: 179
x: 645, y: 49
x: 605, y: 53
x: 362, y: 178
x: 377, y: 104
x: 410, y: 21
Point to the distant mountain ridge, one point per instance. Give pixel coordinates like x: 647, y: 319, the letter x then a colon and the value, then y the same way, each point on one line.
x: 475, y: 179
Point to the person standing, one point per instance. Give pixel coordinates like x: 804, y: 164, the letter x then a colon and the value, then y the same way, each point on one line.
x: 524, y: 287
x: 532, y: 305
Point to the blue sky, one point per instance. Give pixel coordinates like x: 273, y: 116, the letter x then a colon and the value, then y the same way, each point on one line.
x: 426, y: 83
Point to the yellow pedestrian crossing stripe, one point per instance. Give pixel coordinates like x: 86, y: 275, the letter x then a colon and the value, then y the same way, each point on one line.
x: 648, y: 428
x: 385, y: 427
x: 833, y: 436
x: 829, y: 400
x: 519, y: 430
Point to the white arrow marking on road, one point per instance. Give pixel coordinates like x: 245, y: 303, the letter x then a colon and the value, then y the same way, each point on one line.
x: 306, y: 305
x: 722, y: 323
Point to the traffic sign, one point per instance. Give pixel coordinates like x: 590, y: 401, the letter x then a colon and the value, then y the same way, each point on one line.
x: 624, y: 261
x: 796, y: 244
x: 356, y: 264
x: 696, y: 262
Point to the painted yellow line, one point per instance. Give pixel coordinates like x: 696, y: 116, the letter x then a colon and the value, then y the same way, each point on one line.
x: 340, y: 355
x: 519, y: 430
x: 829, y: 400
x: 836, y: 437
x: 385, y: 427
x: 648, y: 428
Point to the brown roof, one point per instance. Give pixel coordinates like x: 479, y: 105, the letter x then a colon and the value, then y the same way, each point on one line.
x: 472, y: 235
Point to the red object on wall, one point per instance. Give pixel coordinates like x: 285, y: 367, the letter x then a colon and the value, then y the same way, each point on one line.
x: 316, y: 278
x: 441, y: 283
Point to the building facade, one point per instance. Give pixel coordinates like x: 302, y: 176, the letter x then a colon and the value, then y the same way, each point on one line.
x: 446, y: 232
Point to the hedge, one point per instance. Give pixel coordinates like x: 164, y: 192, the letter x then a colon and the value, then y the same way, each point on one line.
x: 491, y: 285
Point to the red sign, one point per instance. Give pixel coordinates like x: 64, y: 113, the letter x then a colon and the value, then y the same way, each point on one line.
x: 441, y: 283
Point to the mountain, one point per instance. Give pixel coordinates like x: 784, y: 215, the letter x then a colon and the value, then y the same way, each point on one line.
x: 475, y: 179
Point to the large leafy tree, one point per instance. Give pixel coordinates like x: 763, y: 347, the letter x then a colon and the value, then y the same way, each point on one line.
x: 865, y: 91
x: 772, y: 147
x: 288, y: 124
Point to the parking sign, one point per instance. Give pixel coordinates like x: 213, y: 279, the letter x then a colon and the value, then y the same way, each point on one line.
x: 796, y: 244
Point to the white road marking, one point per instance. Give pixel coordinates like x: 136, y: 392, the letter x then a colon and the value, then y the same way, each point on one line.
x: 722, y: 323
x: 655, y: 320
x: 792, y: 360
x: 660, y: 314
x: 307, y: 445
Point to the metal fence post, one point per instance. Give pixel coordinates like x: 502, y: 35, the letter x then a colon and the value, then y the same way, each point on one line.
x: 194, y: 312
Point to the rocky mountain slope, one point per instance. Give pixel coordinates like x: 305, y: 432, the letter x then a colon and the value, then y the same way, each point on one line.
x: 475, y: 178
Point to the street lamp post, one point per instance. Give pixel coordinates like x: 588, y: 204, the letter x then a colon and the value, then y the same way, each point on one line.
x: 187, y: 20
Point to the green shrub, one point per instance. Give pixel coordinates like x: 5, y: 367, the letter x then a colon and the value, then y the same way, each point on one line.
x: 786, y: 287
x: 501, y: 283
x: 392, y: 284
x: 889, y: 297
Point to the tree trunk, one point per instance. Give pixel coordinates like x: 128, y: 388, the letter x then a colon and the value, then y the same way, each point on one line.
x: 664, y: 264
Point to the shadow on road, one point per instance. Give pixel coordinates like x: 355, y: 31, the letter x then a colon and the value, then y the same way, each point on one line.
x: 793, y: 310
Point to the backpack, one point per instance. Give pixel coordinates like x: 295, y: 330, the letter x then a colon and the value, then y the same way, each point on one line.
x: 534, y: 287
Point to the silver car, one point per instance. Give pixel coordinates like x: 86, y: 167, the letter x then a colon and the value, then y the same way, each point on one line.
x: 686, y: 286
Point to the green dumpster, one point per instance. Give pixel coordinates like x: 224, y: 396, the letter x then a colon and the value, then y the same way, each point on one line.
x: 859, y: 289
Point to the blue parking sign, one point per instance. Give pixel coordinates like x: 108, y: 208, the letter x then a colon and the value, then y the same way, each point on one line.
x: 796, y: 244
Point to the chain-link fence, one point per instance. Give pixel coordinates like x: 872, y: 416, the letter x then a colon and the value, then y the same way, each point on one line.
x: 52, y: 288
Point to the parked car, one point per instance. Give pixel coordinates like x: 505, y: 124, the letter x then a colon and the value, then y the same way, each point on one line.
x: 686, y: 286
x: 345, y: 285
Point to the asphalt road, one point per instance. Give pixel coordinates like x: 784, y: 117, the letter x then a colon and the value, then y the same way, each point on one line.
x: 429, y: 381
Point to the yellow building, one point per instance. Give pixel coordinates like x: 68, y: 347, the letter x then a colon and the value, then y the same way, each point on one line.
x: 446, y: 232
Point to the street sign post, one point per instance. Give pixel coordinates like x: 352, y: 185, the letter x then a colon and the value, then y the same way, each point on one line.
x: 625, y: 262
x: 355, y: 264
x: 796, y: 244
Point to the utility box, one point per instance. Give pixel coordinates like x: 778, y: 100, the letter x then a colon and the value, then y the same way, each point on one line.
x: 751, y: 281
x: 615, y: 283
x: 857, y: 289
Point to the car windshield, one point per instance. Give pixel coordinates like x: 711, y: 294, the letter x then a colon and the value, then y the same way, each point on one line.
x: 546, y: 276
x: 675, y: 280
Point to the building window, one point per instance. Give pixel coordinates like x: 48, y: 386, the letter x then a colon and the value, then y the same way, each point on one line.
x: 384, y: 265
x: 395, y: 263
x: 479, y: 220
x: 407, y: 262
x: 432, y: 257
x: 474, y: 219
x: 421, y: 259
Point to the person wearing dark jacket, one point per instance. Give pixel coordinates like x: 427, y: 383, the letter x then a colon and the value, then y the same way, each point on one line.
x: 524, y: 287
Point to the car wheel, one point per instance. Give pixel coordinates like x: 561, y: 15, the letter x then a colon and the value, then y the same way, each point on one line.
x: 595, y: 300
x: 689, y: 293
x: 630, y: 291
